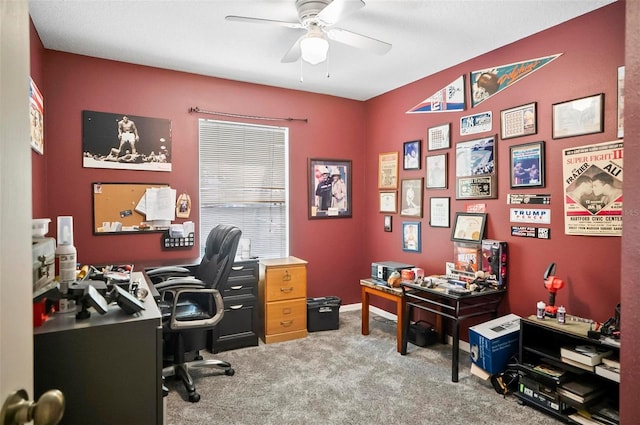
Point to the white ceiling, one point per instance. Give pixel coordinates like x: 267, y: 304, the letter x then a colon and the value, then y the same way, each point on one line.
x: 193, y: 36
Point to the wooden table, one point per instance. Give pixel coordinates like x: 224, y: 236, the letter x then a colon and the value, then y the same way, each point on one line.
x: 369, y: 287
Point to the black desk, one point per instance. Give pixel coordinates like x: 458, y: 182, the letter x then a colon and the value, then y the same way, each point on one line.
x: 450, y: 307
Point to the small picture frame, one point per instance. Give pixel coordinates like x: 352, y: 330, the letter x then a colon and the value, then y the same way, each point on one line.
x: 527, y: 165
x: 389, y: 201
x: 436, y: 171
x: 388, y: 170
x: 439, y: 137
x: 411, y: 155
x: 578, y: 117
x: 411, y: 236
x: 411, y: 204
x: 620, y: 102
x: 519, y: 121
x: 469, y: 227
x: 387, y: 223
x: 439, y: 212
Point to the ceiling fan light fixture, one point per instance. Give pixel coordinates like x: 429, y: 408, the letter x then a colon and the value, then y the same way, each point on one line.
x: 314, y: 48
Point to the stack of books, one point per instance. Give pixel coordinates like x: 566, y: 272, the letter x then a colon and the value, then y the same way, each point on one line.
x: 580, y: 392
x: 610, y: 369
x: 584, y: 356
x: 606, y: 413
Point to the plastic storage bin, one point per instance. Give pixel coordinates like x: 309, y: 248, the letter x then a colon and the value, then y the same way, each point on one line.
x: 323, y: 313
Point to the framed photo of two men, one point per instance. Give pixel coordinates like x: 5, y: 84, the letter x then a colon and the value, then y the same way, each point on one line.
x: 329, y: 188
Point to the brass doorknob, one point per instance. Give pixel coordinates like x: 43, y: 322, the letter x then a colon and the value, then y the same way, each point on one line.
x: 18, y: 410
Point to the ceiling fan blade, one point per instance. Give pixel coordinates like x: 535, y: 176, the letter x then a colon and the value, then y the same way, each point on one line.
x: 247, y: 19
x: 359, y: 41
x: 339, y: 9
x: 294, y: 52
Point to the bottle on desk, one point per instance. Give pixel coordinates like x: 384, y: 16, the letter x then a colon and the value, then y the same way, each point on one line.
x: 66, y: 261
x: 540, y: 310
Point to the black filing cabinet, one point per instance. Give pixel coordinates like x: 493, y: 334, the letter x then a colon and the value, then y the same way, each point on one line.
x: 238, y: 327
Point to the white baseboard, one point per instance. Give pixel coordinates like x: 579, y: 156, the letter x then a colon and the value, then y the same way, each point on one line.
x: 464, y: 345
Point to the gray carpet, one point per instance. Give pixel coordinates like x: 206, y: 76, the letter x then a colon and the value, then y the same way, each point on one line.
x: 343, y: 377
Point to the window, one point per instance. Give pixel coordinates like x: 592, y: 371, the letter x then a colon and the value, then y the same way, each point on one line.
x: 244, y: 181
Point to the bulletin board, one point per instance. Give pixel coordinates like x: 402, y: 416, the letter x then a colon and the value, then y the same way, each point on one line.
x: 116, y: 202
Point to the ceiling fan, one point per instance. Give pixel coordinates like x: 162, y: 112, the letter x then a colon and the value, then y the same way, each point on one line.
x: 318, y: 18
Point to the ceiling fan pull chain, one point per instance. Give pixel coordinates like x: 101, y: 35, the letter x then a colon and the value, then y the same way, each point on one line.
x: 301, y: 77
x: 328, y: 73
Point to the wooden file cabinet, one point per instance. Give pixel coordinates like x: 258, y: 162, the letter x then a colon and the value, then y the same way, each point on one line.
x: 283, y: 299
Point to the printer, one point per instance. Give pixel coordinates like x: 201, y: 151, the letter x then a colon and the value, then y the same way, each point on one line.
x: 381, y: 270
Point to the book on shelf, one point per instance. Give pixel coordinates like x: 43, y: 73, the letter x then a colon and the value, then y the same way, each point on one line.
x: 583, y: 420
x: 577, y: 364
x: 557, y: 374
x: 606, y: 412
x: 608, y: 372
x: 611, y: 361
x: 590, y: 355
x: 580, y: 390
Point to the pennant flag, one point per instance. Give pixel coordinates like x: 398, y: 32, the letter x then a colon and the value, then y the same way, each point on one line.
x: 487, y: 82
x: 449, y: 98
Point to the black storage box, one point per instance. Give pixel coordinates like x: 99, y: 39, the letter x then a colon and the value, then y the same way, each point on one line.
x: 323, y: 313
x: 422, y: 334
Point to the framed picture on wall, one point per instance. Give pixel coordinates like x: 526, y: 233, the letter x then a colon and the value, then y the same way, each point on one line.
x: 411, y: 204
x: 389, y: 201
x: 439, y: 137
x: 476, y: 175
x: 527, y: 165
x: 411, y: 236
x: 411, y: 155
x: 468, y: 227
x: 578, y: 117
x: 388, y: 170
x: 439, y: 212
x: 329, y: 188
x: 387, y: 223
x: 436, y: 171
x: 518, y: 121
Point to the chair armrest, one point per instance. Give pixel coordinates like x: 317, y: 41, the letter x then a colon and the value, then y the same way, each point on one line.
x: 188, y: 282
x: 163, y: 273
x: 193, y: 324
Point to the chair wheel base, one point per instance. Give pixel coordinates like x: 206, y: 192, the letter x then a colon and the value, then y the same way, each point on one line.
x: 194, y: 397
x: 229, y: 372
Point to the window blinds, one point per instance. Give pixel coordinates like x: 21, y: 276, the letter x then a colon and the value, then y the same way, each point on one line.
x: 244, y: 182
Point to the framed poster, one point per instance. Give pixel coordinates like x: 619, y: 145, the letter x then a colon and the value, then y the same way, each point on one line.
x: 469, y: 227
x: 388, y: 170
x: 439, y: 137
x: 518, y: 121
x: 436, y: 171
x: 411, y: 197
x: 411, y: 155
x: 527, y: 165
x: 475, y: 169
x: 125, y: 142
x: 439, y: 212
x: 36, y: 117
x: 578, y: 117
x: 411, y: 236
x: 389, y: 201
x: 329, y: 188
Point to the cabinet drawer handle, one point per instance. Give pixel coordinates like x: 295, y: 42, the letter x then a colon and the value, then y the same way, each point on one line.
x: 236, y: 307
x: 236, y: 287
x: 237, y: 268
x: 287, y: 276
x: 286, y: 311
x: 289, y: 289
x: 286, y: 323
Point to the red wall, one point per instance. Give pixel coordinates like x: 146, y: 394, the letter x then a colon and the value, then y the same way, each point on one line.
x: 592, y: 48
x: 340, y: 251
x: 335, y: 128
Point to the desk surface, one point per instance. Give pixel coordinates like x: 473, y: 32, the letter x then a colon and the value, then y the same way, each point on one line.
x: 439, y: 291
x: 67, y: 321
x: 384, y: 288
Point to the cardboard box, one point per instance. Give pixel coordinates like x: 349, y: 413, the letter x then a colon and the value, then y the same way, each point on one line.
x: 494, y: 342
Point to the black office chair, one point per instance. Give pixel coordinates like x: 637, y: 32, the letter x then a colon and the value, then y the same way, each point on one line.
x: 192, y: 306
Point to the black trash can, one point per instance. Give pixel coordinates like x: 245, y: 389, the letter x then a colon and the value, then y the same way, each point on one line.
x: 323, y: 313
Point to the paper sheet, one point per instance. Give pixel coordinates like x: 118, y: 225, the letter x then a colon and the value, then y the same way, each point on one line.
x: 160, y: 203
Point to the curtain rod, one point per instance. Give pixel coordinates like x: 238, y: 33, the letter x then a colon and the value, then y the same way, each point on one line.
x: 227, y: 114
